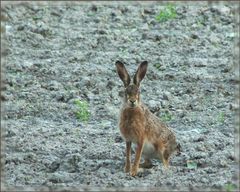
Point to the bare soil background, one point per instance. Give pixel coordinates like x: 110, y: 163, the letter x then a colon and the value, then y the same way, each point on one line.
x: 55, y: 53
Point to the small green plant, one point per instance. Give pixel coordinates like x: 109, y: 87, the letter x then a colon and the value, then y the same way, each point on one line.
x: 169, y: 12
x: 221, y: 117
x: 158, y: 66
x: 191, y: 164
x: 110, y: 141
x: 82, y: 112
x: 229, y: 187
x: 167, y: 116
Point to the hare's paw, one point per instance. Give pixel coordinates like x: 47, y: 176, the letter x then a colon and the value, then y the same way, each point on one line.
x: 166, y: 163
x: 134, y: 171
x: 127, y: 168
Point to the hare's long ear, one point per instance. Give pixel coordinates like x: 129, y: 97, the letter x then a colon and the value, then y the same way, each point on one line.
x: 123, y: 74
x: 141, y: 71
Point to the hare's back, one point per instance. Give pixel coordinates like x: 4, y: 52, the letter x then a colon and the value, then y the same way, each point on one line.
x: 158, y: 128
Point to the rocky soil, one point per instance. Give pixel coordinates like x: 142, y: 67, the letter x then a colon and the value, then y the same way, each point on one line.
x: 55, y: 53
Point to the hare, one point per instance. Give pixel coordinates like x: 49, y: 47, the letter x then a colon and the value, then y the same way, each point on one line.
x: 153, y: 139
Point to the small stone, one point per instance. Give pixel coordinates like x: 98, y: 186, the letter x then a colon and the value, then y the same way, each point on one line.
x: 30, y: 157
x: 20, y: 27
x: 232, y: 157
x: 118, y: 139
x: 230, y: 35
x: 145, y: 27
x: 54, y: 85
x: 225, y: 10
x: 60, y: 97
x: 214, y: 39
x: 41, y: 29
x: 148, y: 11
x: 110, y: 84
x: 210, y: 170
x: 103, y: 172
x: 94, y: 8
x: 168, y: 183
x: 101, y: 31
x: 10, y: 133
x: 55, y: 13
x: 152, y: 103
x: 223, y: 163
x: 194, y: 36
x: 169, y: 76
x: 153, y: 22
x: 9, y: 29
x: 200, y: 155
x: 182, y: 114
x: 54, y: 166
x: 113, y: 14
x: 204, y: 180
x: 200, y: 148
x: 166, y: 95
x: 213, y: 27
x: 199, y: 139
x: 56, y: 178
x: 225, y: 70
x: 70, y: 163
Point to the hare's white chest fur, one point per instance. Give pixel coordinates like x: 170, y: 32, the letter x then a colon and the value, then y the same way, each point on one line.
x: 148, y: 151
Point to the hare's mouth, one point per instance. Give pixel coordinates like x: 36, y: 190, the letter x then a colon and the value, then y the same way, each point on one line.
x: 132, y: 104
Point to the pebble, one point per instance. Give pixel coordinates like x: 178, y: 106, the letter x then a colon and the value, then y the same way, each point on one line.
x: 152, y: 103
x: 10, y: 133
x: 54, y: 166
x: 194, y: 36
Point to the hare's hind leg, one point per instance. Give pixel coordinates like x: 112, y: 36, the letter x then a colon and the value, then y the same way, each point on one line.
x: 166, y: 163
x: 147, y: 164
x: 163, y: 153
x: 128, y: 157
x: 165, y: 158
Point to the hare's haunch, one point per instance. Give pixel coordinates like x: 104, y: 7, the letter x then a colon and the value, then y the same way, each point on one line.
x: 153, y: 139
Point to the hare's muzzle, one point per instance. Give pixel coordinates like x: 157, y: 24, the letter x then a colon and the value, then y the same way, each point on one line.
x: 132, y: 103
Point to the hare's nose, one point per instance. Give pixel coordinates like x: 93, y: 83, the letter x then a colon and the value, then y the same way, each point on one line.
x: 132, y: 101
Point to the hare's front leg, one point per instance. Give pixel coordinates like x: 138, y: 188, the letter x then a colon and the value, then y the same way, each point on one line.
x: 128, y: 157
x: 139, y: 149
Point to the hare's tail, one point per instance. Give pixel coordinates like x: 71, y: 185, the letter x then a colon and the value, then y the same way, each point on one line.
x: 179, y: 149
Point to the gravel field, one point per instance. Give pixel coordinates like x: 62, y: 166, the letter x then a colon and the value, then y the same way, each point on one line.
x: 57, y: 53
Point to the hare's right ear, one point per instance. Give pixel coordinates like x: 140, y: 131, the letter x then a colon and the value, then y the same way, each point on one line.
x: 123, y: 74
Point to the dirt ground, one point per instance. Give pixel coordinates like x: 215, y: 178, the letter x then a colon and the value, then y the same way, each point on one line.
x: 55, y: 53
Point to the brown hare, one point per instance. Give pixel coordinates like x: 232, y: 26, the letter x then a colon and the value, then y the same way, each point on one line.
x: 153, y: 139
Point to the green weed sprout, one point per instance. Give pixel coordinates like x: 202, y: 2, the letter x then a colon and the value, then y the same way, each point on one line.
x: 167, y: 116
x: 169, y: 12
x: 221, y: 117
x: 82, y: 112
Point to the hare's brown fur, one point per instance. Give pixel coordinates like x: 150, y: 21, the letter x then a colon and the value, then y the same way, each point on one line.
x: 138, y: 125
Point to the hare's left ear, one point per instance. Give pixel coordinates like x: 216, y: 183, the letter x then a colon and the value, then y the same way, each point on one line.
x: 140, y: 74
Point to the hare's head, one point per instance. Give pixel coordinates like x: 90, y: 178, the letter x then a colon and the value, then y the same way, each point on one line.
x: 132, y: 92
